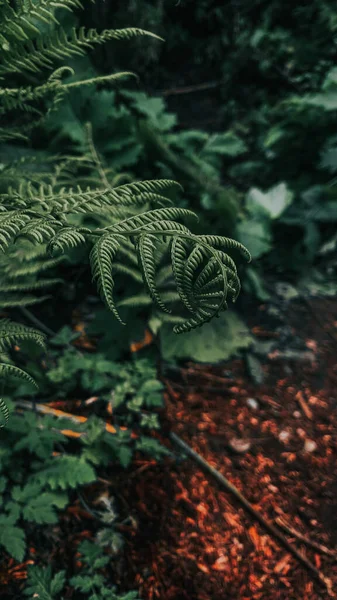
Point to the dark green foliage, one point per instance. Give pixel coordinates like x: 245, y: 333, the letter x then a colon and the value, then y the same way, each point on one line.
x: 36, y: 479
x: 270, y: 91
x: 50, y: 208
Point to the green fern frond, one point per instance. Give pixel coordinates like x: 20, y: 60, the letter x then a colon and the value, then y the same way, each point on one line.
x: 8, y: 370
x: 40, y: 229
x: 101, y: 260
x: 4, y: 411
x: 159, y: 217
x: 179, y: 253
x: 76, y: 200
x: 143, y: 300
x: 7, y: 135
x: 13, y: 333
x: 145, y: 250
x: 218, y: 241
x: 128, y: 271
x: 27, y: 285
x: 10, y: 225
x: 67, y: 238
x: 59, y: 45
x: 17, y: 300
x: 137, y: 227
x: 35, y: 267
x: 18, y: 23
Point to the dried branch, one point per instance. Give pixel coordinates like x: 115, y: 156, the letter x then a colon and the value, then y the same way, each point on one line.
x: 281, y: 523
x: 267, y: 525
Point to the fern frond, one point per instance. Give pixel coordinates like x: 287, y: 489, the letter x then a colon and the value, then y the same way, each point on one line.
x: 41, y: 229
x: 58, y: 45
x: 128, y: 271
x: 19, y: 22
x: 192, y: 266
x: 27, y: 285
x: 218, y: 241
x: 101, y: 260
x: 5, y: 412
x: 67, y: 238
x: 35, y: 267
x: 144, y: 300
x: 12, y: 300
x: 179, y: 253
x: 145, y: 250
x: 13, y: 333
x: 159, y: 217
x: 7, y: 370
x: 10, y: 225
x: 76, y: 200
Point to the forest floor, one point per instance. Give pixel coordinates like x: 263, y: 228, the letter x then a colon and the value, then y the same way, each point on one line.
x: 277, y: 443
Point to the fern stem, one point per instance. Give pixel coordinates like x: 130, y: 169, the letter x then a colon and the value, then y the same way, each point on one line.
x: 29, y: 315
x: 95, y: 80
x: 96, y: 158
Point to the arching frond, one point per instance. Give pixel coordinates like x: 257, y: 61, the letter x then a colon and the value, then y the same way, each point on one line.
x: 8, y: 370
x: 13, y: 333
x: 145, y: 249
x: 4, y: 411
x: 101, y: 259
x: 59, y: 45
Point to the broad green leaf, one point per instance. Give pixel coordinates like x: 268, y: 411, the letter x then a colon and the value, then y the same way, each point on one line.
x: 13, y: 540
x: 273, y: 202
x: 152, y: 447
x: 213, y: 342
x: 255, y: 235
x: 124, y: 455
x: 326, y: 100
x: 41, y: 508
x: 225, y: 144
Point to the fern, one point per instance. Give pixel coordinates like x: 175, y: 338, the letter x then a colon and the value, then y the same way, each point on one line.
x: 12, y: 538
x: 43, y: 584
x: 136, y: 224
x: 65, y: 472
x: 14, y: 333
x: 42, y: 53
x: 11, y: 334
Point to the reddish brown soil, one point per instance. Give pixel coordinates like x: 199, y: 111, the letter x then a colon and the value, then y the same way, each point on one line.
x: 193, y: 541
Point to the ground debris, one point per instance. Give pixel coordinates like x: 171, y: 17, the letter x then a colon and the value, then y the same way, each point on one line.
x: 202, y: 544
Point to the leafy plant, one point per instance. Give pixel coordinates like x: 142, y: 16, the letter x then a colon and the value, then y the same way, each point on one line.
x: 33, y: 491
x: 43, y: 208
x: 270, y: 97
x: 90, y: 582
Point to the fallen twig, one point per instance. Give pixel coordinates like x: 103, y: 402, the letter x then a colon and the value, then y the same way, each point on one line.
x: 281, y: 523
x: 268, y: 526
x: 191, y: 88
x: 49, y: 410
x: 304, y: 406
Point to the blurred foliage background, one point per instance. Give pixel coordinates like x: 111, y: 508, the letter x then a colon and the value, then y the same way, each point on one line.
x: 239, y: 104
